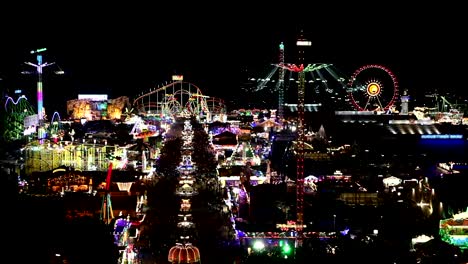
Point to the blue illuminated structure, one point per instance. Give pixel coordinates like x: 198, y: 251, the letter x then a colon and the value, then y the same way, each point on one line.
x: 442, y: 136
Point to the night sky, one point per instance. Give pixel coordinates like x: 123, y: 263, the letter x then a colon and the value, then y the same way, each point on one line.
x: 127, y: 50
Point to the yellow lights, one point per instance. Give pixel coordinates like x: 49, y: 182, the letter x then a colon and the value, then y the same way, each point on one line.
x: 289, y: 225
x: 373, y: 89
x: 177, y: 77
x: 422, y: 204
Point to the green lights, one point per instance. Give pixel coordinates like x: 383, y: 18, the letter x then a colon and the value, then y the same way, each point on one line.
x: 274, y: 248
x: 258, y: 245
x: 38, y: 50
x: 281, y: 46
x: 285, y: 248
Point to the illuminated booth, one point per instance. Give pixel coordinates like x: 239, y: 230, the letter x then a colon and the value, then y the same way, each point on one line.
x: 184, y: 253
x: 455, y: 230
x: 96, y: 107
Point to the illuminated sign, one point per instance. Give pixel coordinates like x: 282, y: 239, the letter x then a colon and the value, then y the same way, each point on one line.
x: 31, y: 121
x: 442, y: 136
x: 304, y: 43
x: 93, y: 97
x: 177, y: 77
x: 288, y: 225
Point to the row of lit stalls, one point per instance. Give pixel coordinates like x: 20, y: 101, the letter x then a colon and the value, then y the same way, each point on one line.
x: 184, y: 251
x: 127, y: 230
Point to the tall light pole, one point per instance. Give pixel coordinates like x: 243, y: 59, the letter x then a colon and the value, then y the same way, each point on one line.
x: 334, y: 223
x: 39, y: 66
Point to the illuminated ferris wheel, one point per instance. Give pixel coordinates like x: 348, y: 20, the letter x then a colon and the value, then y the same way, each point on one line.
x: 373, y: 88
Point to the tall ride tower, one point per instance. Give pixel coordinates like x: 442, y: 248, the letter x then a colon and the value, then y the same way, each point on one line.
x: 301, y: 45
x: 280, y: 84
x: 301, y: 70
x: 39, y: 66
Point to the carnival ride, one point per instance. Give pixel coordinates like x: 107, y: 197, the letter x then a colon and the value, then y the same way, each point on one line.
x: 216, y: 108
x: 280, y: 92
x: 370, y: 88
x: 56, y: 127
x: 142, y: 129
x: 40, y: 65
x: 302, y: 44
x: 442, y: 111
x: 283, y: 80
x: 179, y: 98
x: 21, y: 120
x: 373, y: 88
x: 243, y: 154
x: 14, y: 120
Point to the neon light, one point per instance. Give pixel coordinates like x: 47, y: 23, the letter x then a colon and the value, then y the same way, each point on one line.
x: 38, y: 50
x: 56, y: 114
x: 12, y: 100
x: 442, y: 136
x: 39, y: 100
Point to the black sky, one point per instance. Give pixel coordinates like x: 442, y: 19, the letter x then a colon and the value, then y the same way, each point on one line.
x: 128, y: 49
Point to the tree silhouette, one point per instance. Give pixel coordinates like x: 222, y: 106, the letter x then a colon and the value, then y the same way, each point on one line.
x: 203, y: 155
x: 170, y: 157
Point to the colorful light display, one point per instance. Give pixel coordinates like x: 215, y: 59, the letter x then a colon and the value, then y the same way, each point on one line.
x: 455, y: 230
x: 39, y: 66
x: 373, y: 97
x: 19, y: 116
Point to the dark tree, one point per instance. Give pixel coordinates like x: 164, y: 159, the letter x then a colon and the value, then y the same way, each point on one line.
x: 203, y: 155
x: 170, y: 157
